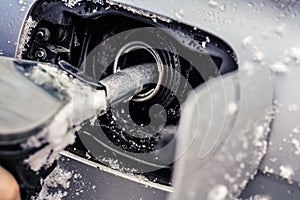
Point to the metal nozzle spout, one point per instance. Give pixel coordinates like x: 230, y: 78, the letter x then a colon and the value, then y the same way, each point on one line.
x: 124, y: 84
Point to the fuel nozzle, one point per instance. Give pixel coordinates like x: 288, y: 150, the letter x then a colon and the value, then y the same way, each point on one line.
x: 38, y: 118
x: 124, y: 84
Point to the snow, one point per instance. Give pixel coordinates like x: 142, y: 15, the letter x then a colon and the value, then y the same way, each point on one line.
x: 294, y: 54
x: 296, y: 130
x: 204, y: 43
x: 247, y: 41
x: 296, y: 144
x: 293, y: 107
x: 140, y: 12
x: 260, y: 197
x: 219, y: 192
x: 23, y: 5
x: 291, y: 55
x: 232, y: 108
x: 59, y: 180
x: 179, y: 14
x: 278, y: 67
x: 88, y: 156
x: 280, y: 29
x: 259, y: 133
x: 268, y: 170
x: 286, y: 171
x: 99, y: 1
x: 71, y: 3
x: 83, y: 103
x: 273, y: 159
x: 257, y: 54
x: 29, y: 25
x: 215, y: 4
x: 117, y: 165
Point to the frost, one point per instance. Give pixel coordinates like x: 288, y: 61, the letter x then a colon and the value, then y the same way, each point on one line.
x: 83, y: 103
x: 23, y: 4
x: 71, y: 3
x: 260, y: 197
x: 293, y: 107
x: 273, y: 159
x: 268, y: 170
x: 117, y: 165
x: 22, y: 9
x: 278, y: 67
x: 99, y: 1
x: 215, y: 4
x: 225, y: 181
x: 140, y: 12
x: 296, y: 144
x: 258, y: 135
x: 247, y: 41
x: 88, y: 156
x: 29, y: 25
x: 292, y: 54
x: 232, y: 108
x: 296, y: 130
x: 62, y: 183
x: 179, y: 14
x: 59, y: 180
x: 219, y: 192
x: 256, y: 52
x: 286, y: 172
x: 204, y: 43
x: 257, y: 55
x: 280, y: 29
x: 295, y: 54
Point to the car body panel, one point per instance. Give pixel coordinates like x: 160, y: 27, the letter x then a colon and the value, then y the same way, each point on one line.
x: 12, y: 16
x: 261, y: 33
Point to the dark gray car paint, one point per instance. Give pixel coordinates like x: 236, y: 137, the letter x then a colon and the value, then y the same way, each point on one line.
x: 12, y: 15
x: 100, y: 182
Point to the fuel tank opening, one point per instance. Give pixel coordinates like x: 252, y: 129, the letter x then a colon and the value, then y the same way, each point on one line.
x: 131, y: 53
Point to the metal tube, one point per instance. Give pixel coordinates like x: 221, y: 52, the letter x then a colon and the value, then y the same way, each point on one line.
x: 124, y: 84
